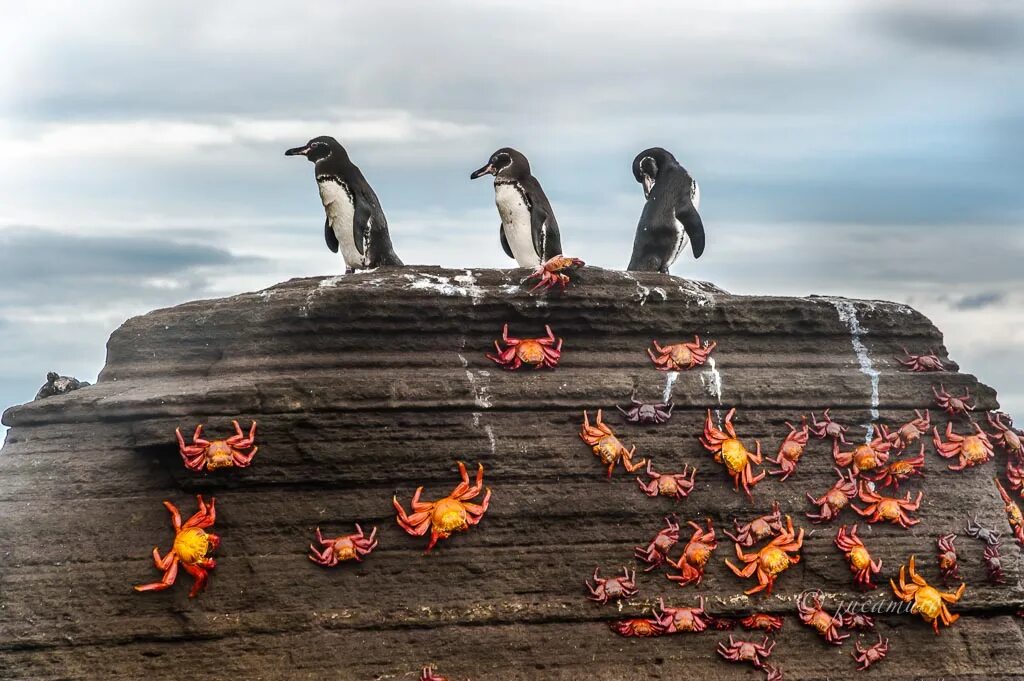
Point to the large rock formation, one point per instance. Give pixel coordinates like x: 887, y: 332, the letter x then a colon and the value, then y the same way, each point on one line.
x: 370, y: 385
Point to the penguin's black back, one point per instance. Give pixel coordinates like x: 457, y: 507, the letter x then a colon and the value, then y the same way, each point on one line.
x: 669, y: 204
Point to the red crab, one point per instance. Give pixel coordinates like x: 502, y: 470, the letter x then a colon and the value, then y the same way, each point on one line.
x: 1015, y: 476
x: 972, y: 450
x: 900, y: 470
x: 236, y: 450
x: 428, y: 675
x: 728, y: 450
x: 994, y: 565
x: 454, y: 513
x: 613, y: 588
x: 656, y: 552
x: 746, y: 651
x: 790, y: 451
x: 760, y: 620
x: 606, y: 446
x: 929, y: 362
x: 1013, y: 514
x: 953, y: 405
x: 191, y: 545
x: 947, y: 558
x: 888, y: 508
x: 348, y: 547
x: 911, y: 431
x: 681, y: 355
x: 695, y: 555
x: 828, y: 428
x: 858, y: 620
x: 858, y: 556
x: 835, y: 499
x: 676, y: 620
x: 757, y: 529
x: 675, y: 485
x: 771, y: 560
x: 555, y: 272
x: 816, y: 617
x: 1006, y: 437
x: 540, y: 352
x: 870, y: 655
x: 638, y: 627
x: 928, y: 601
x: 865, y: 457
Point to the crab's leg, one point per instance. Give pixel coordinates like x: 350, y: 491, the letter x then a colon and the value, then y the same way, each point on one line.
x: 476, y: 511
x: 242, y: 460
x: 318, y: 557
x: 199, y: 575
x: 162, y: 563
x: 168, y: 579
x: 175, y: 516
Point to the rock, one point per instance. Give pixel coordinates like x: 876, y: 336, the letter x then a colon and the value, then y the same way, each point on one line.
x: 59, y: 385
x: 370, y: 385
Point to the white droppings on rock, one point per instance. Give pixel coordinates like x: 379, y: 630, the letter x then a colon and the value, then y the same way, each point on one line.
x: 703, y: 298
x: 478, y: 383
x: 848, y: 315
x: 670, y: 380
x: 463, y: 285
x: 711, y: 379
x: 509, y: 289
x: 330, y: 282
x: 491, y: 438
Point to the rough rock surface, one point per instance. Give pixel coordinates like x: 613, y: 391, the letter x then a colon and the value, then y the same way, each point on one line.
x: 370, y: 385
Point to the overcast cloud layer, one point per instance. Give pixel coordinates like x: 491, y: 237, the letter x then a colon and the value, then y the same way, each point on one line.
x: 868, y: 149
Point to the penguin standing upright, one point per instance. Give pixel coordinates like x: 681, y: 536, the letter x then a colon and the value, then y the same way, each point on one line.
x: 528, y: 231
x: 355, y: 222
x: 670, y: 215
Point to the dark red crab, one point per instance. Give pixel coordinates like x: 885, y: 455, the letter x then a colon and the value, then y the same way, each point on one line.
x: 866, y: 457
x: 828, y: 428
x: 612, y: 588
x: 334, y: 550
x: 557, y: 271
x: 656, y: 552
x: 816, y: 617
x: 858, y: 556
x: 900, y: 470
x: 746, y: 651
x: 237, y: 450
x: 759, y: 528
x: 539, y: 352
x: 762, y: 621
x: 911, y: 431
x: 675, y: 485
x: 949, y: 565
x: 790, y: 451
x: 647, y: 412
x: 679, y: 620
x: 973, y: 449
x: 929, y: 362
x: 870, y: 655
x: 1015, y: 476
x: 638, y: 627
x: 993, y: 565
x: 681, y: 356
x: 951, y: 404
x: 1006, y: 436
x: 835, y: 499
x: 695, y: 555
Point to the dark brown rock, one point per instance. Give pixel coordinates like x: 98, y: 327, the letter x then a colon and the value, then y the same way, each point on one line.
x: 370, y: 385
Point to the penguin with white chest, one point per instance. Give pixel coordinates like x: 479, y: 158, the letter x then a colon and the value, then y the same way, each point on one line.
x: 355, y: 223
x: 669, y: 218
x: 528, y: 231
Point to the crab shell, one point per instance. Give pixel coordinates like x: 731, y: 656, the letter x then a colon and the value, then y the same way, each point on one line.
x: 681, y: 355
x: 928, y: 601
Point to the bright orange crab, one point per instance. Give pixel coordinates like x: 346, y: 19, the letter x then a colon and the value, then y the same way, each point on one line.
x: 236, y: 450
x: 191, y: 545
x: 540, y: 352
x: 695, y: 555
x: 606, y: 446
x: 858, y: 556
x: 866, y: 457
x: 973, y: 449
x: 555, y: 272
x: 728, y: 449
x: 681, y: 355
x: 451, y: 514
x: 892, y: 509
x: 928, y: 601
x: 771, y: 560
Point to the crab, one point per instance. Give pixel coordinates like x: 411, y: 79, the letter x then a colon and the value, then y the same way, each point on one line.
x: 858, y: 620
x: 675, y: 485
x: 790, y: 451
x: 951, y: 404
x: 606, y: 446
x: 835, y: 499
x: 192, y: 544
x: 647, y: 412
x: 677, y: 620
x: 929, y: 362
x: 612, y: 588
x: 681, y: 355
x: 1013, y: 514
x: 695, y: 555
x: 949, y: 565
x: 1006, y: 436
x: 828, y: 428
x: 858, y: 556
x: 427, y: 674
x: 338, y: 549
x: 972, y: 450
x: 237, y: 450
x: 728, y: 450
x: 722, y: 623
x: 771, y: 560
x: 911, y: 431
x: 454, y: 513
x: 892, y: 509
x: 828, y: 626
x: 928, y: 601
x: 763, y: 621
x: 900, y: 470
x: 994, y: 565
x: 982, y: 533
x: 746, y: 651
x: 641, y: 627
x: 757, y: 529
x: 1015, y: 476
x: 866, y: 657
x: 540, y: 352
x: 866, y: 457
x: 555, y: 272
x: 656, y: 552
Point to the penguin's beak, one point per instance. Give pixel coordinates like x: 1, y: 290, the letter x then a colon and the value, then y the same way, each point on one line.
x: 297, y: 151
x: 648, y: 186
x: 486, y: 170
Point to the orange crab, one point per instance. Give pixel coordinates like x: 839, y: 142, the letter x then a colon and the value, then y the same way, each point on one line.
x: 892, y: 509
x: 858, y: 556
x: 1013, y: 514
x: 606, y: 446
x: 901, y: 470
x: 237, y: 450
x: 790, y: 451
x: 540, y: 352
x: 928, y: 601
x: 728, y: 450
x: 191, y: 545
x: 451, y: 514
x: 866, y: 457
x: 771, y: 560
x: 973, y: 449
x: 334, y: 550
x: 695, y: 555
x: 1006, y: 437
x: 555, y: 272
x: 681, y: 355
x: 911, y: 431
x: 816, y: 617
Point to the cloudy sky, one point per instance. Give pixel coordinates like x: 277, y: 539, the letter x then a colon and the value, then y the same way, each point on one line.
x: 868, y: 148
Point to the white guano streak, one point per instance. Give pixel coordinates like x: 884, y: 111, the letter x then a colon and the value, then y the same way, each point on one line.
x: 848, y: 315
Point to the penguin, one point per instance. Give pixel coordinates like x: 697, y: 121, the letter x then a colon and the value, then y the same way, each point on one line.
x: 355, y: 222
x: 669, y: 217
x: 528, y: 230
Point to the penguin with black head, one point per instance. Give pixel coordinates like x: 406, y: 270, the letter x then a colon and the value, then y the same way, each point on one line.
x: 669, y: 218
x: 528, y: 230
x: 355, y: 223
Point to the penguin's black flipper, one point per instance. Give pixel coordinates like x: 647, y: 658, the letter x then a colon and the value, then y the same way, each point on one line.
x: 538, y: 218
x: 694, y: 226
x: 504, y: 242
x: 361, y: 223
x: 330, y: 236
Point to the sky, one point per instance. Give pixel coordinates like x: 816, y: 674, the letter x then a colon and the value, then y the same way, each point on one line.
x: 867, y: 149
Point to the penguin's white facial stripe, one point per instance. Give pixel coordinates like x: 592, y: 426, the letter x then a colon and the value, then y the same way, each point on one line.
x: 501, y: 162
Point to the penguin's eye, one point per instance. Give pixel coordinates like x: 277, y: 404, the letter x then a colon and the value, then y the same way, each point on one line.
x: 501, y: 160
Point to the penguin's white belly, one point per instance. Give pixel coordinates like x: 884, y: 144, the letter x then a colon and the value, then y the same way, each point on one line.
x: 341, y: 214
x: 681, y: 240
x: 515, y: 220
